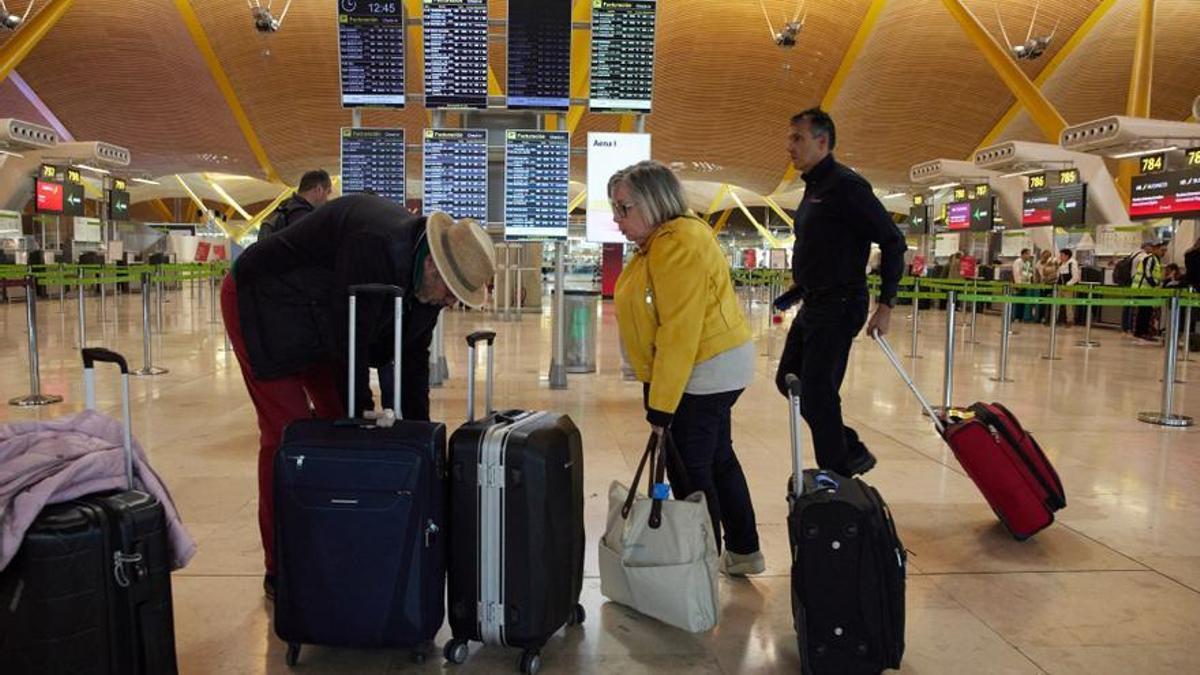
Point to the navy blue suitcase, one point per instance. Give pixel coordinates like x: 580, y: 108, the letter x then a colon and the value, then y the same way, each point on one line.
x: 359, y: 511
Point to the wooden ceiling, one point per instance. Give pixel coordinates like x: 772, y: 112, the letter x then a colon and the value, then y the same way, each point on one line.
x: 128, y: 72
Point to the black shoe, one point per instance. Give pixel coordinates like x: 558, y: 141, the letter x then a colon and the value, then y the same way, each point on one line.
x: 860, y: 465
x: 269, y: 586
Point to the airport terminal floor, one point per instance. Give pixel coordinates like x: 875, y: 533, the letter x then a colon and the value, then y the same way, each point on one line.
x: 1112, y: 587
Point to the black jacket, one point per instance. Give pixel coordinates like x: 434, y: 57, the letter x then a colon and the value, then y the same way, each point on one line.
x: 285, y: 215
x: 293, y: 298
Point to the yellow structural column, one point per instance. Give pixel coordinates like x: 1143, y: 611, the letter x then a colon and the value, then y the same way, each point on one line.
x: 1048, y: 120
x: 722, y: 220
x: 28, y: 36
x: 581, y: 50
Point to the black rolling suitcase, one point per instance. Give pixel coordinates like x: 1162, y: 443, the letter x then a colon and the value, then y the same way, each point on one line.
x: 89, y: 591
x: 516, y: 526
x: 848, y: 568
x: 359, y: 514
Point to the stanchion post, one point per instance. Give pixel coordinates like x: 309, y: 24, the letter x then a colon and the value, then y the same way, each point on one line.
x: 436, y: 360
x: 1187, y: 334
x: 1165, y: 417
x: 148, y: 367
x: 79, y: 295
x: 1052, y: 356
x: 974, y: 311
x: 948, y: 367
x: 36, y: 397
x: 1087, y: 342
x: 158, y: 297
x: 103, y: 298
x: 1006, y: 314
x: 558, y: 365
x: 507, y: 282
x: 916, y: 319
x: 212, y: 295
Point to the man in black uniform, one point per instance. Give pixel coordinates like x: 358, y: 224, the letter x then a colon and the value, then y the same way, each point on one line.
x: 835, y: 224
x: 314, y: 190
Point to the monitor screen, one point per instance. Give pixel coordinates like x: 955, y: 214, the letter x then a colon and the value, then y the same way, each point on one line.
x: 918, y: 219
x: 983, y: 214
x: 455, y: 170
x: 1061, y: 206
x: 958, y: 216
x: 371, y: 53
x: 1175, y: 194
x: 537, y: 166
x: 373, y: 161
x: 72, y: 199
x: 539, y: 54
x: 622, y: 66
x: 49, y: 196
x: 456, y: 53
x: 118, y: 205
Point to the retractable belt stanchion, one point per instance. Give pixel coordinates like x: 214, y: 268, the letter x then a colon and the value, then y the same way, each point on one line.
x: 148, y: 367
x: 1187, y: 334
x: 436, y: 360
x: 1087, y: 342
x: 974, y: 312
x: 212, y: 295
x: 1052, y: 356
x: 103, y: 297
x: 79, y: 294
x: 916, y: 316
x: 1006, y: 314
x: 558, y: 358
x: 36, y: 397
x: 948, y: 367
x: 507, y: 282
x: 158, y: 296
x: 1165, y: 417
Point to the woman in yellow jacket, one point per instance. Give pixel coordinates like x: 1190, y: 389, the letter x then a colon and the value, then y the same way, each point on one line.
x: 683, y: 332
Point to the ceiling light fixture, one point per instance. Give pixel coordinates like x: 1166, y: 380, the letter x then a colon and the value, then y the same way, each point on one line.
x: 145, y: 181
x: 1140, y: 153
x: 10, y: 153
x: 94, y: 169
x: 942, y: 186
x: 1026, y: 172
x: 894, y: 195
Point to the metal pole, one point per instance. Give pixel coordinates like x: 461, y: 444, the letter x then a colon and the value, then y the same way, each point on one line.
x: 948, y: 367
x: 103, y: 299
x: 1087, y: 342
x: 916, y: 316
x: 435, y: 358
x: 1170, y: 359
x: 1006, y: 313
x: 212, y: 297
x: 1187, y: 334
x: 558, y: 366
x: 520, y: 281
x: 507, y: 282
x: 82, y: 314
x: 1053, y: 326
x: 148, y: 367
x: 158, y: 297
x: 974, y: 312
x: 36, y: 397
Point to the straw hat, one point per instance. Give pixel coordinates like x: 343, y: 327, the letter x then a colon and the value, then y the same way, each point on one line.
x: 464, y: 255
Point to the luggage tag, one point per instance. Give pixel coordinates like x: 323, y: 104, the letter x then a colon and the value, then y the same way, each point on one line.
x: 661, y: 491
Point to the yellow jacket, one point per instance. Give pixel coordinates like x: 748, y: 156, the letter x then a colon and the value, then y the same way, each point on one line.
x: 675, y: 308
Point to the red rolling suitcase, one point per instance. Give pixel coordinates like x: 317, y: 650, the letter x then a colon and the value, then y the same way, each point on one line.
x: 1006, y: 463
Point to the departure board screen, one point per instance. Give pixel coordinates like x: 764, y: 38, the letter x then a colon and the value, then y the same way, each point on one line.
x: 373, y: 161
x: 49, y: 196
x: 539, y: 54
x: 1175, y: 194
x: 455, y: 172
x: 1061, y: 206
x: 537, y: 166
x: 371, y: 53
x: 958, y: 216
x: 456, y: 53
x: 622, y: 68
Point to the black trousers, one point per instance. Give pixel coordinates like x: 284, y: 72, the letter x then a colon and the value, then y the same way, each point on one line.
x: 1143, y: 323
x: 817, y: 351
x: 701, y: 430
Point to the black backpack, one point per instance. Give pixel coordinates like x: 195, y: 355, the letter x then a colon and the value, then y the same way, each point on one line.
x: 1123, y: 273
x: 1191, y: 265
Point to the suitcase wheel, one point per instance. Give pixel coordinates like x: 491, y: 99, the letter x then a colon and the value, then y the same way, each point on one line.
x: 577, y: 616
x: 457, y: 651
x: 293, y: 653
x: 531, y: 662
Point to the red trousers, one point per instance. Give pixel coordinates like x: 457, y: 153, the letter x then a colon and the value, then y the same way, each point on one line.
x: 278, y: 402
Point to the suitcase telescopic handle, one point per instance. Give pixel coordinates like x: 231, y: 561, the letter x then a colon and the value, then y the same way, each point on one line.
x: 912, y: 386
x: 794, y: 421
x: 488, y: 336
x: 397, y: 342
x: 91, y: 356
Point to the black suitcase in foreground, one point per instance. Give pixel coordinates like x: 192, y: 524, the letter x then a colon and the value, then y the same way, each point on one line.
x: 89, y: 591
x: 516, y: 526
x: 359, y: 513
x: 848, y: 569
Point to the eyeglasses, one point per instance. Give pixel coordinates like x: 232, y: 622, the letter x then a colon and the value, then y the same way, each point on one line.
x: 622, y: 210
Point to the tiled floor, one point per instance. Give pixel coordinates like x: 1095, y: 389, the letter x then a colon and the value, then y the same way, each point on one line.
x: 1113, y: 587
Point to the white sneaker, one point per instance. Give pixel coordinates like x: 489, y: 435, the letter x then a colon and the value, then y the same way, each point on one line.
x: 743, y: 564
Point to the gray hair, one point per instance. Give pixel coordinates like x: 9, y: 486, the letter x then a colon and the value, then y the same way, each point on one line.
x: 655, y: 188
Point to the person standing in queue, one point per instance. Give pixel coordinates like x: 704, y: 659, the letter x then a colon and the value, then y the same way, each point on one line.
x: 285, y: 304
x: 684, y: 334
x: 315, y: 189
x: 837, y: 220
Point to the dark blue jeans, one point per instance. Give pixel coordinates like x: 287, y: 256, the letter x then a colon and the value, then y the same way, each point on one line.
x: 701, y: 430
x: 817, y: 351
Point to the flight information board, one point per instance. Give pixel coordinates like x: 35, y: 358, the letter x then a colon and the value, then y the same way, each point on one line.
x: 918, y: 219
x: 622, y: 68
x: 539, y: 55
x: 371, y: 53
x: 455, y: 172
x: 1061, y: 206
x: 1175, y: 194
x: 456, y: 53
x: 373, y: 161
x: 537, y: 167
x: 958, y: 216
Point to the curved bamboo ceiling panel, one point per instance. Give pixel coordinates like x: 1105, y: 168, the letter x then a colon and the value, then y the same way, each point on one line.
x: 14, y: 104
x: 723, y: 91
x: 126, y: 72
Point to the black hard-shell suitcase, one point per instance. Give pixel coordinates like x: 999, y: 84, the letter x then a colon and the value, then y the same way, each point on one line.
x: 516, y: 526
x: 848, y: 569
x: 359, y: 514
x: 89, y: 591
